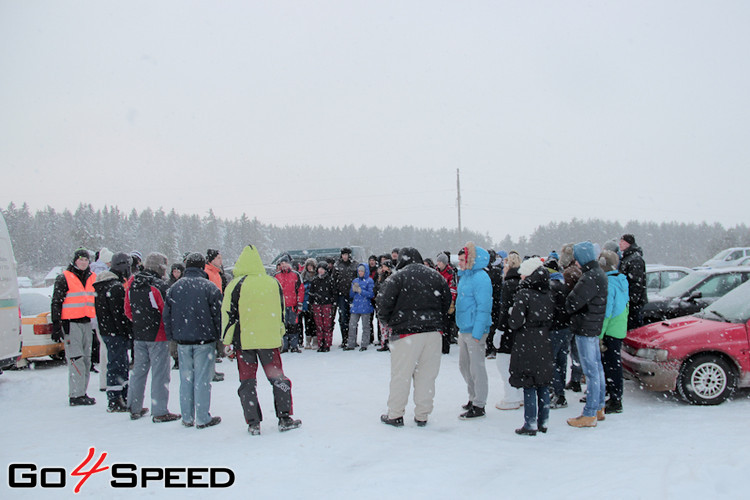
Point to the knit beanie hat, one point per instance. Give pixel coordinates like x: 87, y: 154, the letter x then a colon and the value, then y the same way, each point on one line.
x: 81, y: 253
x: 211, y: 254
x: 629, y: 238
x: 442, y: 258
x: 529, y: 266
x: 156, y: 262
x: 196, y: 260
x: 120, y: 264
x: 105, y: 255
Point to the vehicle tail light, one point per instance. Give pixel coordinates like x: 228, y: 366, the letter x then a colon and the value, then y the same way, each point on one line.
x: 44, y: 329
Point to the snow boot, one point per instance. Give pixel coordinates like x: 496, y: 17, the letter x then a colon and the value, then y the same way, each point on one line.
x: 308, y: 343
x: 613, y: 406
x: 472, y: 413
x: 526, y: 431
x: 287, y: 423
x: 467, y: 406
x: 420, y: 423
x: 395, y: 422
x: 136, y: 416
x: 573, y: 386
x: 82, y: 401
x: 508, y: 405
x: 167, y: 417
x: 210, y: 423
x: 254, y: 429
x: 117, y: 406
x: 582, y: 421
x: 600, y: 415
x: 558, y: 402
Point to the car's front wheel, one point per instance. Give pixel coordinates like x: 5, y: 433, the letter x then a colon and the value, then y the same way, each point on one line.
x: 706, y: 380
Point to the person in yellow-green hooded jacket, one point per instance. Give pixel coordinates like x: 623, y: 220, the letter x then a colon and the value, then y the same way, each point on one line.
x: 252, y: 322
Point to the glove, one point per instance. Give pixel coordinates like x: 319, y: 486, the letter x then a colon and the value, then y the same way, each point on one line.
x: 452, y: 308
x: 356, y: 288
x: 229, y: 351
x: 57, y: 332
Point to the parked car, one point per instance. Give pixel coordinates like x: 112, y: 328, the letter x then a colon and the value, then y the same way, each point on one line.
x: 36, y: 326
x: 659, y: 277
x: 693, y: 292
x: 727, y: 258
x: 704, y: 357
x: 358, y: 254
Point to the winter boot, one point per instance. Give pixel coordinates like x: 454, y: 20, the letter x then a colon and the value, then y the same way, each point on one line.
x: 117, y: 406
x: 600, y: 415
x: 573, y: 386
x: 420, y: 423
x: 613, y: 406
x: 508, y: 405
x: 167, y: 417
x: 308, y: 343
x: 582, y: 421
x: 467, y: 406
x: 472, y: 413
x: 254, y: 429
x: 136, y: 416
x: 558, y: 402
x: 82, y: 401
x: 210, y: 423
x: 526, y: 431
x: 287, y: 423
x: 395, y: 422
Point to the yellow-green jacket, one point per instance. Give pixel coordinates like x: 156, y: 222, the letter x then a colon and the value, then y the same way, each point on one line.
x: 261, y: 305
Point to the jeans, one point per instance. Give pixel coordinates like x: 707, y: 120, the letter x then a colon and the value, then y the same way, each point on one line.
x: 117, y: 366
x: 196, y: 372
x: 292, y: 327
x: 591, y: 363
x: 344, y: 304
x: 612, y: 362
x: 560, y: 342
x: 535, y: 407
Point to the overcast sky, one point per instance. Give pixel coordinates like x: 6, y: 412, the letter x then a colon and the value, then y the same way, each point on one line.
x: 338, y: 112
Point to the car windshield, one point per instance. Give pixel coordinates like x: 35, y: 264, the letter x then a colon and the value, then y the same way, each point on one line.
x: 734, y: 306
x: 721, y: 255
x: 33, y: 304
x: 684, y: 285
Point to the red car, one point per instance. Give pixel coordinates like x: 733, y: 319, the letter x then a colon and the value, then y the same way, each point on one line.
x: 704, y: 357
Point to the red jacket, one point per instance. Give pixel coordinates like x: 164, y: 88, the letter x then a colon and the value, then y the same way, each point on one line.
x: 450, y: 276
x: 291, y: 285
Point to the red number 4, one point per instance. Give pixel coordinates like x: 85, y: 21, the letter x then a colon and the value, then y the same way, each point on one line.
x: 85, y: 475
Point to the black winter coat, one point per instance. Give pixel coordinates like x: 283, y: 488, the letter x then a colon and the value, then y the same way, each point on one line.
x: 634, y: 269
x: 192, y: 311
x: 559, y: 292
x: 343, y: 274
x: 414, y: 299
x: 110, y: 306
x: 510, y: 284
x: 531, y: 363
x: 587, y: 302
x: 496, y: 277
x: 144, y: 303
x: 321, y: 291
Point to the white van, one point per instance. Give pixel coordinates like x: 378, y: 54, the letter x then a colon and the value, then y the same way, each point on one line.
x: 10, y: 313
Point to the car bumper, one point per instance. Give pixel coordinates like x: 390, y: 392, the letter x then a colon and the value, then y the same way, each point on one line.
x: 38, y: 351
x: 652, y: 375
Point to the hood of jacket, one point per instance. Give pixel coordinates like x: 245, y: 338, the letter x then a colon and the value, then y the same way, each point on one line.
x: 407, y: 256
x: 477, y: 258
x: 106, y: 276
x: 538, y: 280
x: 249, y: 263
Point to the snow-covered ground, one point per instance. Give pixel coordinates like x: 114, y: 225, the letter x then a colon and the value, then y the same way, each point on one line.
x: 659, y: 447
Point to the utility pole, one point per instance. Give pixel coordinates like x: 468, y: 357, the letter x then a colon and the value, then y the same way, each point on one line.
x: 458, y: 190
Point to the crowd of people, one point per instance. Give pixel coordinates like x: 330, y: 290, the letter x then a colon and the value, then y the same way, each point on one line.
x: 530, y: 314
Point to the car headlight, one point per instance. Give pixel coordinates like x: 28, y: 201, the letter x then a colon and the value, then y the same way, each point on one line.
x: 653, y: 354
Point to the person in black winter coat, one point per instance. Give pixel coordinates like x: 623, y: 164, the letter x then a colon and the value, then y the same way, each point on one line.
x: 115, y: 327
x: 633, y: 267
x: 531, y: 365
x: 414, y: 303
x: 344, y: 271
x: 587, y: 306
x: 322, y: 297
x: 192, y: 318
x: 511, y: 396
x: 560, y: 335
x: 496, y: 277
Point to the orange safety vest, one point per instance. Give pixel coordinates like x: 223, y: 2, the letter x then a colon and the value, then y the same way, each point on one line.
x: 79, y: 302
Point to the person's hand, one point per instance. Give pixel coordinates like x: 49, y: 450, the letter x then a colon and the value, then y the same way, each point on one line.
x: 452, y: 308
x: 57, y: 332
x: 356, y: 288
x: 229, y: 351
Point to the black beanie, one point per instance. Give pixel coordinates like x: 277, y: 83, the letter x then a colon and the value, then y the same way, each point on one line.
x: 121, y: 263
x: 211, y: 254
x: 629, y: 238
x: 81, y: 252
x: 196, y: 260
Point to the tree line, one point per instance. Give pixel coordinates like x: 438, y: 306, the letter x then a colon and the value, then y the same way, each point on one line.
x: 46, y: 238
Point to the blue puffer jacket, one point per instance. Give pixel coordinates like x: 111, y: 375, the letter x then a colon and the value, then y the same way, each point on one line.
x: 474, y: 294
x: 616, y: 316
x: 362, y: 302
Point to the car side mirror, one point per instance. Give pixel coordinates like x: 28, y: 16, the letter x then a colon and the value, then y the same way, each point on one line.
x: 696, y: 294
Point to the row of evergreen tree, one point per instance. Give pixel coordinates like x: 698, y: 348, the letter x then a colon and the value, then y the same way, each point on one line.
x: 48, y: 238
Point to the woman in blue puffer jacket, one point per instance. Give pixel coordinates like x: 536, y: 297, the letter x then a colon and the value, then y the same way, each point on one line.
x: 361, y: 293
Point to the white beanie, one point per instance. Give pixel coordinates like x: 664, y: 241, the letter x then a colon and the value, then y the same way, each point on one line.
x: 529, y: 266
x: 105, y: 255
